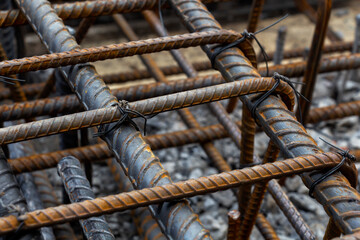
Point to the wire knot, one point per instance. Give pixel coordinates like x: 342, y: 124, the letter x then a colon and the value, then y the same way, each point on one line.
x: 126, y: 116
x: 345, y: 156
x: 277, y: 77
x: 245, y: 35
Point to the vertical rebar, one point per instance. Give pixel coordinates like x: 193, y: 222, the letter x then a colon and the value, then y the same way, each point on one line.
x: 254, y: 204
x: 265, y: 228
x: 49, y: 199
x: 354, y: 74
x: 233, y: 225
x: 312, y: 66
x: 78, y: 189
x: 280, y: 43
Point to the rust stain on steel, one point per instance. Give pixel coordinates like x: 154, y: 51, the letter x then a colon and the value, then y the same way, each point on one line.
x: 169, y: 192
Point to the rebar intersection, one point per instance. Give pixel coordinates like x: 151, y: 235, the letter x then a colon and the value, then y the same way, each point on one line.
x: 155, y: 190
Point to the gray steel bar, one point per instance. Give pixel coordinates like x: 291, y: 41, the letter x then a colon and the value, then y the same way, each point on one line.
x: 280, y: 43
x: 78, y: 189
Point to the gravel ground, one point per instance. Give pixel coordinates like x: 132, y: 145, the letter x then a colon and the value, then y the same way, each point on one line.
x: 191, y: 161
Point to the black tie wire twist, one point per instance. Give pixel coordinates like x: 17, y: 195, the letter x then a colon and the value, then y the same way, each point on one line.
x: 124, y: 109
x: 345, y: 156
x: 245, y: 35
x: 264, y: 96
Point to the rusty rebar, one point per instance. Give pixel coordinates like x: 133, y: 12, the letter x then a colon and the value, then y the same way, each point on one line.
x: 313, y: 62
x: 107, y: 115
x: 86, y: 55
x: 233, y: 225
x: 257, y: 195
x: 331, y: 64
x: 69, y: 104
x: 16, y: 91
x: 265, y: 229
x: 253, y: 20
x: 297, y: 69
x: 85, y: 9
x: 247, y: 140
x: 169, y: 192
x: 332, y: 231
x: 79, y: 190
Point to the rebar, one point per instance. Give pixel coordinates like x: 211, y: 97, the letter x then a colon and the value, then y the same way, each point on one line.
x: 313, y: 62
x: 233, y: 225
x: 78, y: 189
x: 169, y: 192
x: 290, y: 211
x: 267, y: 231
x: 49, y: 199
x: 121, y: 50
x: 257, y: 195
x: 147, y: 227
x: 280, y: 43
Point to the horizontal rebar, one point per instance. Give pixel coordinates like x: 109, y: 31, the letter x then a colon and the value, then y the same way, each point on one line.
x: 96, y: 117
x: 297, y: 69
x: 169, y: 192
x: 70, y: 103
x: 121, y: 50
x: 85, y: 9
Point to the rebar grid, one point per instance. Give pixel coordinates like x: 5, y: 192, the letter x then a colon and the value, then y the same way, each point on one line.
x: 132, y: 151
